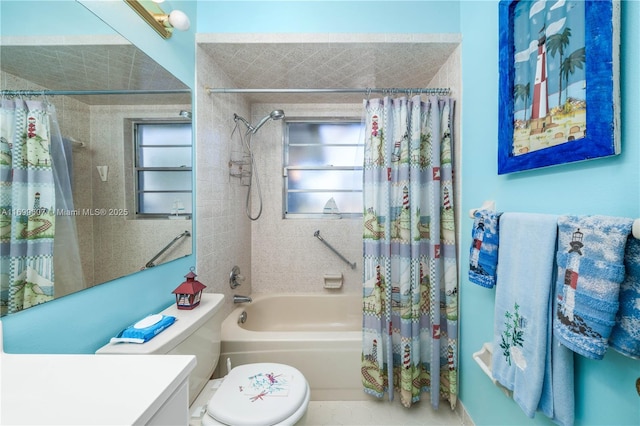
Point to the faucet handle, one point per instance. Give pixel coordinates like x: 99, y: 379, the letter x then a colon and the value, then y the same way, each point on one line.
x: 235, y: 279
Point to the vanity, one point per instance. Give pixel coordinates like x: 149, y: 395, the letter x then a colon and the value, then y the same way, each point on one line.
x: 94, y: 389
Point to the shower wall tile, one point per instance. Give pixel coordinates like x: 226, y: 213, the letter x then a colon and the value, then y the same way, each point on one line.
x: 286, y: 257
x: 223, y: 236
x: 123, y: 245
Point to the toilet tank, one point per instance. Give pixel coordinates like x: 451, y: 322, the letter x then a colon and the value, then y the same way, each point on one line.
x: 195, y: 332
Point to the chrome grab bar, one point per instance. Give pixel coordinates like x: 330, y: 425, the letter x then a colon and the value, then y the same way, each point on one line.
x: 150, y: 263
x: 317, y: 235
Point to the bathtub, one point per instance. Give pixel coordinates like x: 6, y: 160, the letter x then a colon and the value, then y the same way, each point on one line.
x: 319, y: 334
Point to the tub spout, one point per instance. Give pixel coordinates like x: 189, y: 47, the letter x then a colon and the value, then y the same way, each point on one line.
x: 241, y: 299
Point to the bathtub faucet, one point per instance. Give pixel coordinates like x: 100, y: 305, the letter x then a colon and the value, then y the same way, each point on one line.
x: 241, y: 299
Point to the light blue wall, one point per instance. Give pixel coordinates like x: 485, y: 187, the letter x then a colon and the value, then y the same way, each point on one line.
x: 328, y: 16
x: 25, y: 18
x: 82, y: 322
x: 604, y: 389
x: 605, y: 393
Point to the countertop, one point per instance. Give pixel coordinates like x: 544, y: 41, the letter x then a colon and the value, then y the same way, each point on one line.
x: 87, y: 389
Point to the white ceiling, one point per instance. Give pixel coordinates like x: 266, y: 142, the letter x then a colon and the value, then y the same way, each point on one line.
x: 330, y: 64
x: 92, y: 67
x: 280, y: 61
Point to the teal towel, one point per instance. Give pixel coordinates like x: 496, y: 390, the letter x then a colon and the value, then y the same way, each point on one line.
x: 625, y: 336
x: 483, y: 254
x: 523, y: 313
x: 590, y: 270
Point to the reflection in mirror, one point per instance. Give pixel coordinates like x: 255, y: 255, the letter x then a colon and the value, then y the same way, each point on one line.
x: 71, y: 107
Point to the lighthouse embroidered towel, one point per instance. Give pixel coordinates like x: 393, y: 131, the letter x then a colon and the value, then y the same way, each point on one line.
x: 522, y: 308
x: 590, y: 270
x: 625, y: 336
x: 483, y: 256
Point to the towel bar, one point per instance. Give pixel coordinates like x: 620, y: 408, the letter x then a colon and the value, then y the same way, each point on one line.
x: 491, y: 205
x: 483, y: 358
x: 487, y: 205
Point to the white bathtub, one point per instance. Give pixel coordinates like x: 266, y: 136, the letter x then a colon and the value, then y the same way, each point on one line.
x: 319, y: 334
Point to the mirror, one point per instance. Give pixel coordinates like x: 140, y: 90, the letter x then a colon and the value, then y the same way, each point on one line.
x: 102, y: 88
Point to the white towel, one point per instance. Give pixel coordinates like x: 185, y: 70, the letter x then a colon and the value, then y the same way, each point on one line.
x: 523, y: 306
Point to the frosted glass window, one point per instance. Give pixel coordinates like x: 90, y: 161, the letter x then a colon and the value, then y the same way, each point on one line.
x: 164, y: 156
x: 164, y: 181
x: 323, y: 161
x: 159, y: 203
x: 165, y: 133
x: 310, y: 203
x: 163, y: 159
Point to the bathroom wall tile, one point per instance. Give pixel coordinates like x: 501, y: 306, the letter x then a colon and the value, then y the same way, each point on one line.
x: 289, y: 245
x: 225, y: 239
x: 137, y: 241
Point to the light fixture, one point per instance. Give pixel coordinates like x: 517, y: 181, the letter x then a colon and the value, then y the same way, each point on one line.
x: 162, y: 22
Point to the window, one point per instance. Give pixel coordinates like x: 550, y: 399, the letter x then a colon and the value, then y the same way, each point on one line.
x: 163, y: 168
x: 323, y: 162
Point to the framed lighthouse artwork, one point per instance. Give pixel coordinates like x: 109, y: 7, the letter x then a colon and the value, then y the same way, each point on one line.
x: 559, y: 94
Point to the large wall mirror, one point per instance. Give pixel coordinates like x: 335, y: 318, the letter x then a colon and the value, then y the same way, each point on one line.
x: 125, y: 132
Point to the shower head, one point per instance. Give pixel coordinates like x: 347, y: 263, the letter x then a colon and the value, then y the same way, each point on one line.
x: 276, y: 114
x: 185, y: 114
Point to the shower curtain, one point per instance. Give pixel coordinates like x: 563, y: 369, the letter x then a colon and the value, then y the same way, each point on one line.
x: 410, y: 304
x: 34, y: 187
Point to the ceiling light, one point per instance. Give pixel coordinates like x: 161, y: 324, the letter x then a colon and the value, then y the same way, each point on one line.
x: 162, y: 22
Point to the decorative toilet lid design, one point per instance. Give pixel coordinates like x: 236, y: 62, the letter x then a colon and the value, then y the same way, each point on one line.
x: 263, y: 385
x: 262, y: 393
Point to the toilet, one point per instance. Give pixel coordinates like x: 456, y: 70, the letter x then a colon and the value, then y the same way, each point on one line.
x: 250, y: 394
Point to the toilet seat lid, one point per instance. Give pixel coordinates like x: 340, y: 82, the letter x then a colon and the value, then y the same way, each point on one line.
x: 261, y: 393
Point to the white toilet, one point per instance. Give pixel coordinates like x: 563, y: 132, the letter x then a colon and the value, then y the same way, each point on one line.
x: 251, y: 394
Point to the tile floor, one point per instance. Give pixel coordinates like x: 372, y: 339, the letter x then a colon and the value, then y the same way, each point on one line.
x: 366, y: 413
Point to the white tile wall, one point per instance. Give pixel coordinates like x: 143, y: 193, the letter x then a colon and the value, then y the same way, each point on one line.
x: 223, y: 232
x: 286, y: 257
x: 122, y: 245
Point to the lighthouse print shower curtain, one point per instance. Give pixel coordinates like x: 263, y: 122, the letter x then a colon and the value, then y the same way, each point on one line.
x: 27, y: 205
x: 410, y: 299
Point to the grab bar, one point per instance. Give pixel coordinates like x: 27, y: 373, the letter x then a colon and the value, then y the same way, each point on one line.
x: 317, y: 235
x: 150, y: 263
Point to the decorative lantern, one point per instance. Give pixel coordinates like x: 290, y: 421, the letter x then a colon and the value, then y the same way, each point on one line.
x: 189, y: 292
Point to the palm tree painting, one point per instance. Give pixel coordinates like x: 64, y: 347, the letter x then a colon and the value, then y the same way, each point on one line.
x: 522, y: 91
x: 549, y: 84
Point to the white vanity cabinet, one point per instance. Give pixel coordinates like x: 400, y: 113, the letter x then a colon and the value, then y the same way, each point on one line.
x: 95, y: 389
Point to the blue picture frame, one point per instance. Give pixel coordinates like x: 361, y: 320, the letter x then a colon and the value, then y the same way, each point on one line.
x: 598, y: 63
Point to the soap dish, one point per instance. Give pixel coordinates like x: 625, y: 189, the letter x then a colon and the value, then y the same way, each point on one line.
x: 332, y: 281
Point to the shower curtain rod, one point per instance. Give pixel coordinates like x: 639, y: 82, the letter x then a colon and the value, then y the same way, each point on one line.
x: 89, y: 92
x: 425, y: 90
